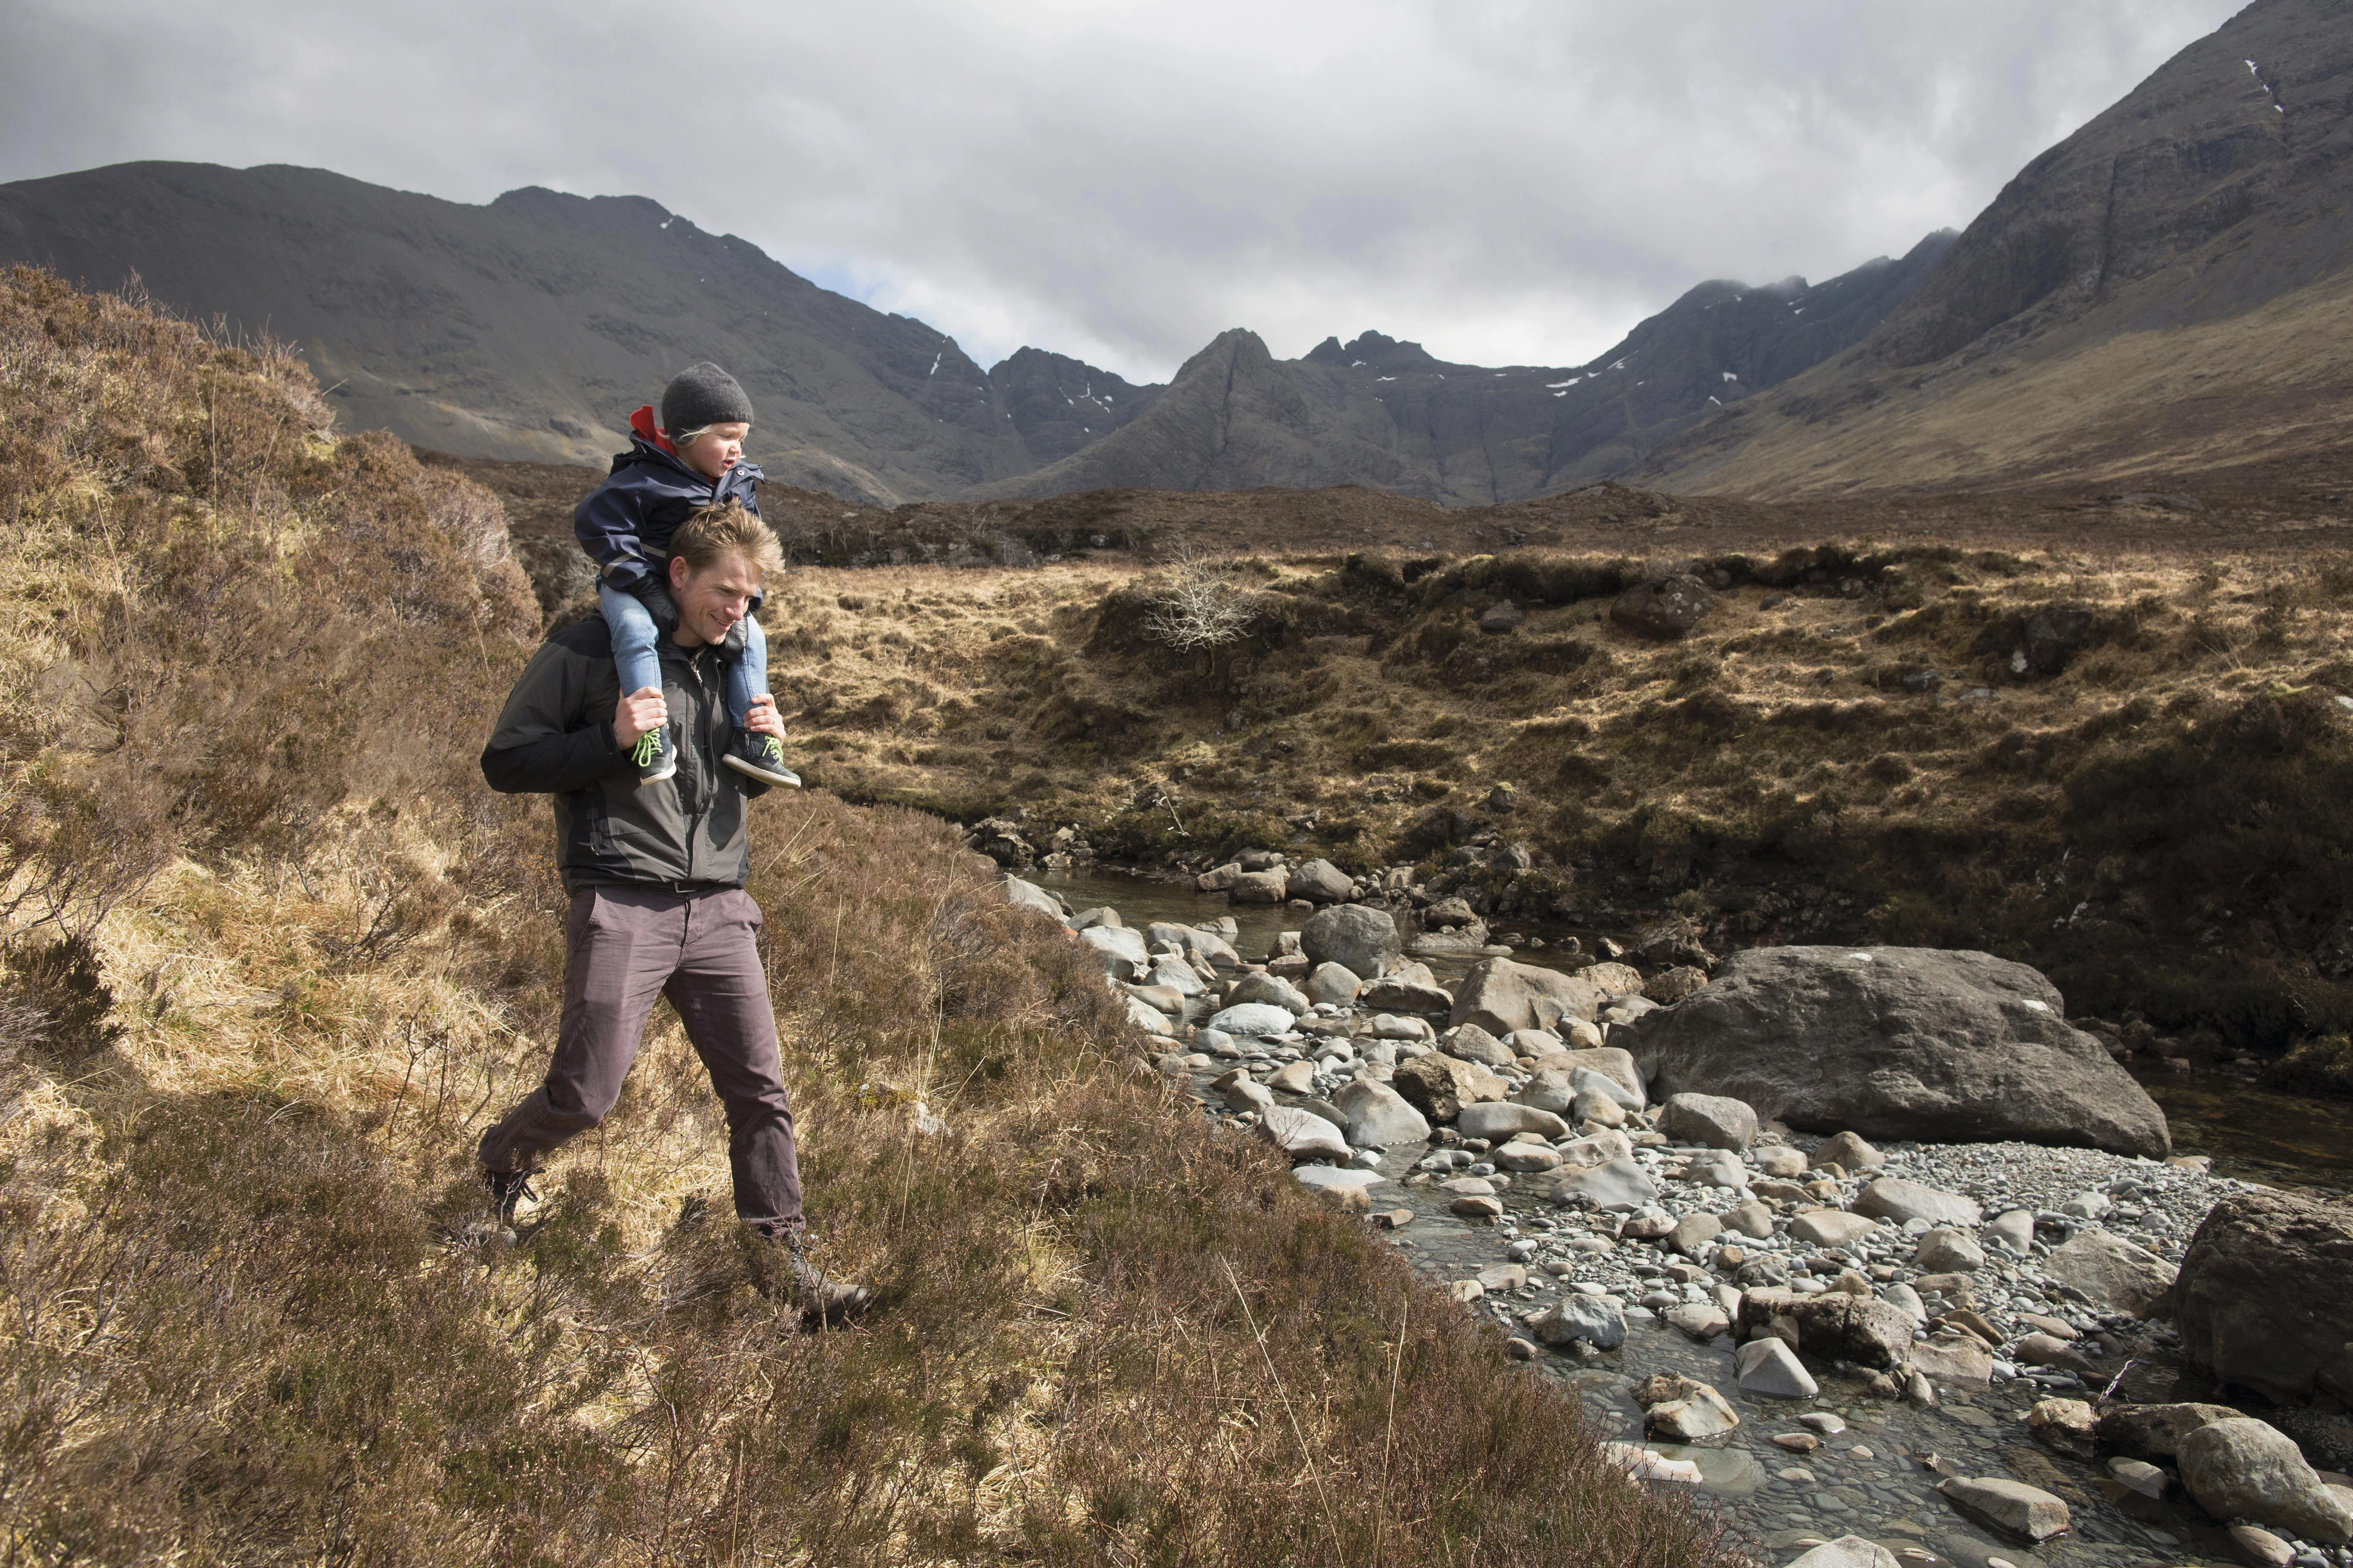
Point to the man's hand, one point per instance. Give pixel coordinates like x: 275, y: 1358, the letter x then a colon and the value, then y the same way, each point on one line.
x: 760, y: 718
x: 637, y: 712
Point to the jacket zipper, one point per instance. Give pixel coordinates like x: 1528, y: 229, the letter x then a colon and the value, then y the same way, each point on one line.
x: 705, y: 790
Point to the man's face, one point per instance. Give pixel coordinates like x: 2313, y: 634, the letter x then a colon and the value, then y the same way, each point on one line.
x: 710, y: 602
x: 717, y: 450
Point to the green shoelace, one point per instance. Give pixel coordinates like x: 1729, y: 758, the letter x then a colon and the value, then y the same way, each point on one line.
x: 648, y: 748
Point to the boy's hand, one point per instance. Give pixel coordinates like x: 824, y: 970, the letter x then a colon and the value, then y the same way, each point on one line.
x: 636, y: 713
x: 760, y: 718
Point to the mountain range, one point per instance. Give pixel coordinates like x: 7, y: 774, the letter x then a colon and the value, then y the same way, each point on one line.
x: 529, y: 327
x: 2167, y: 288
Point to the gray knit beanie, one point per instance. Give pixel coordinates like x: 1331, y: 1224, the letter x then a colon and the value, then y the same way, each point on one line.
x: 703, y: 394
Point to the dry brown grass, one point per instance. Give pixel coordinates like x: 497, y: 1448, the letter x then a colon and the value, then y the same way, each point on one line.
x: 274, y: 953
x: 2079, y: 406
x: 2162, y: 825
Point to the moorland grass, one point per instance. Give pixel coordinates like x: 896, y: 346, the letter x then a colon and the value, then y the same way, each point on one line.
x: 1841, y: 750
x: 273, y: 953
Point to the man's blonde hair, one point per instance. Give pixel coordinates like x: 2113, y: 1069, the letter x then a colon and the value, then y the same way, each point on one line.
x: 716, y: 533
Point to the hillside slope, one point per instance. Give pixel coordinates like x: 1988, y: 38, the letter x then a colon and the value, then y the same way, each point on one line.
x: 271, y: 953
x: 2164, y: 289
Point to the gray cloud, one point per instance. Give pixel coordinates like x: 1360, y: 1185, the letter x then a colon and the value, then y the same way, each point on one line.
x: 1504, y: 182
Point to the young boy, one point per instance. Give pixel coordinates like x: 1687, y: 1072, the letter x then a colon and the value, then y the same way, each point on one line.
x: 693, y: 460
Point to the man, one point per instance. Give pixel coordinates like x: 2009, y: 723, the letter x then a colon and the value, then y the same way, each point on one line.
x: 656, y: 876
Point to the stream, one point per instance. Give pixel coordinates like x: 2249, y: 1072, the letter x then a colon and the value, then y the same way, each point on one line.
x: 1875, y: 1471
x: 2252, y: 1134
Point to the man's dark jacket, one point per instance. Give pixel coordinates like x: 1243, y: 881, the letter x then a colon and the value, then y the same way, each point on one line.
x: 626, y: 524
x: 556, y: 736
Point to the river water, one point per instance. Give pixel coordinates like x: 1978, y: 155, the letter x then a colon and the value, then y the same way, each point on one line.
x: 2249, y: 1133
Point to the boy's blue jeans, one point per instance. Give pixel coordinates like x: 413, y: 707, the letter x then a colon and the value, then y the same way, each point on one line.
x: 635, y: 636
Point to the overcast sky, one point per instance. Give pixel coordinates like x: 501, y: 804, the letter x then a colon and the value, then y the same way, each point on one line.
x: 1507, y: 183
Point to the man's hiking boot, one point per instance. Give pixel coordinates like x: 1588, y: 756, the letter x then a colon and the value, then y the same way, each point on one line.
x: 508, y: 1189
x: 822, y: 1298
x: 656, y: 758
x: 758, y: 756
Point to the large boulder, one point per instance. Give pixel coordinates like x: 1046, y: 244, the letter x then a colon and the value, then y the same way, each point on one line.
x: 1860, y: 1329
x: 1547, y: 1088
x: 1503, y: 1119
x: 1665, y: 609
x: 1355, y: 936
x: 1501, y: 996
x: 2246, y: 1468
x: 1891, y: 1197
x: 1253, y: 1018
x: 2111, y: 1272
x: 1321, y: 882
x: 1177, y: 975
x: 1945, y: 1250
x: 2006, y: 1504
x: 2155, y: 1431
x: 1613, y: 1186
x: 1302, y: 1134
x: 1122, y: 950
x: 1470, y: 1042
x: 1271, y: 989
x: 1404, y: 993
x: 1954, y: 1357
x: 1848, y: 1552
x: 1769, y: 1369
x: 1896, y: 1042
x: 1598, y: 1149
x: 1334, y: 983
x: 1595, y: 1319
x: 1205, y: 945
x: 2261, y: 1298
x: 1829, y: 1327
x: 1685, y: 1410
x: 1261, y: 887
x: 1848, y: 1151
x: 1613, y: 1063
x: 1708, y: 1119
x: 1619, y: 979
x: 1024, y: 895
x: 1244, y: 1093
x: 1439, y: 1086
x: 1378, y: 1116
x: 1829, y: 1227
x: 1002, y: 842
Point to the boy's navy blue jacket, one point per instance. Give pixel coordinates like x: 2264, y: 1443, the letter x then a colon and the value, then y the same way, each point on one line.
x: 626, y: 522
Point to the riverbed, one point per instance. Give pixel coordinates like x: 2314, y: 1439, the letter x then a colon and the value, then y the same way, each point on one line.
x: 2249, y: 1133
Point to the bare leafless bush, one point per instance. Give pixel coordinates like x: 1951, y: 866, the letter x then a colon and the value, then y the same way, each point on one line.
x: 1196, y: 604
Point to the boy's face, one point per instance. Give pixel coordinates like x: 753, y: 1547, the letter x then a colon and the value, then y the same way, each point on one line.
x: 716, y: 450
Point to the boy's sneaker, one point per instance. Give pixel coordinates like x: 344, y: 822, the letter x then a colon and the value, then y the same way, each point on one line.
x: 508, y: 1189
x: 656, y: 758
x: 760, y: 757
